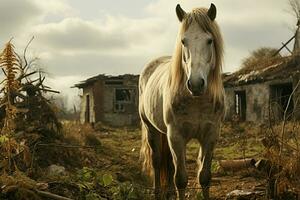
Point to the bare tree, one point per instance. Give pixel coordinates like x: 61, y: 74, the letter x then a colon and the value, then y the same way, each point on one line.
x: 295, y: 8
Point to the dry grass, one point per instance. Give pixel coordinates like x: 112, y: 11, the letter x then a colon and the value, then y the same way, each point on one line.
x: 263, y: 63
x: 76, y: 133
x: 118, y: 155
x: 282, y: 149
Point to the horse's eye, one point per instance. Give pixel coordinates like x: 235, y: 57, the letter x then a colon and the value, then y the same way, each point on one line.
x: 209, y: 41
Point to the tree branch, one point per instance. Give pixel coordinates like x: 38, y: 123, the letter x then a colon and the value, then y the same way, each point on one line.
x: 24, y: 54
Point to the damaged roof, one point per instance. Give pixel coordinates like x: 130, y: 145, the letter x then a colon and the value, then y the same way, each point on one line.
x: 282, y: 68
x: 93, y: 79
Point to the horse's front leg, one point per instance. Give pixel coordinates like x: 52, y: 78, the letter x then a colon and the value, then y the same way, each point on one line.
x: 204, y: 161
x: 178, y: 146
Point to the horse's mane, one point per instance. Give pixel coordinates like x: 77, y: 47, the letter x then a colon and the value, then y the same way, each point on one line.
x: 177, y: 76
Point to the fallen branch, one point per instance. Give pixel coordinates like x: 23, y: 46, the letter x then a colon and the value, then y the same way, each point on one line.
x: 234, y: 165
x: 48, y: 195
x: 51, y: 195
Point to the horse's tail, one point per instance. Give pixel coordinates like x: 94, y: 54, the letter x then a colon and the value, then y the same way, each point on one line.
x: 166, y: 162
x: 146, y: 153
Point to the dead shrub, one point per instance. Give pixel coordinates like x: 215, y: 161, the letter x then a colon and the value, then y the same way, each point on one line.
x: 282, y: 150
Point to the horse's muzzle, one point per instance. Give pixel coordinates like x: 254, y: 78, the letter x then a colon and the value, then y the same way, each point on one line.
x: 196, y: 89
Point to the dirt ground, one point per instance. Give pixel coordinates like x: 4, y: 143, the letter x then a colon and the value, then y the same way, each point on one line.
x: 123, y: 161
x: 103, y: 163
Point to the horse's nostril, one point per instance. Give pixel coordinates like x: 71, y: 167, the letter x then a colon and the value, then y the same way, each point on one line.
x: 189, y: 85
x: 201, y: 82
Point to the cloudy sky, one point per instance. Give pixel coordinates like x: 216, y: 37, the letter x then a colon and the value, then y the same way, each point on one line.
x: 77, y: 39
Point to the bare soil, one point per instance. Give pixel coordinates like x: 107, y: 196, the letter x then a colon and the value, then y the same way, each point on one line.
x: 115, y: 152
x: 122, y: 160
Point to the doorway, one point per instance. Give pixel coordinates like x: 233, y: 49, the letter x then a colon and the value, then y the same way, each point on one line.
x: 87, y: 109
x: 240, y: 104
x: 280, y: 95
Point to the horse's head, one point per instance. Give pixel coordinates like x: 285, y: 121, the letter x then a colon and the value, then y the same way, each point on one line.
x: 198, y: 47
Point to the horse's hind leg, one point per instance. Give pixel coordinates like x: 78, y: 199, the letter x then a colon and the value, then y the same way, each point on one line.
x: 154, y: 143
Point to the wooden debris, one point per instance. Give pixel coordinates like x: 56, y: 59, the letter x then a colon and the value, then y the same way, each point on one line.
x: 49, y: 195
x: 244, y: 194
x: 235, y: 165
x: 267, y: 167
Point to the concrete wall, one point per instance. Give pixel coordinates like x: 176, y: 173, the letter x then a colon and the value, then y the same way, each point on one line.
x: 257, y: 98
x: 130, y: 114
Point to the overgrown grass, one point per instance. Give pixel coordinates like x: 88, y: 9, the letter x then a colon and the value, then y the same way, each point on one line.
x: 235, y: 142
x: 117, y: 157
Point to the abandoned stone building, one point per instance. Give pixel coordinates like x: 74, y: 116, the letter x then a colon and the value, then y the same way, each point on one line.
x: 112, y: 100
x: 263, y: 93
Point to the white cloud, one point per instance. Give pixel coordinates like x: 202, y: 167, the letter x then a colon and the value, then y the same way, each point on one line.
x: 74, y: 34
x: 16, y: 16
x: 56, y: 7
x: 92, y: 64
x: 112, y: 35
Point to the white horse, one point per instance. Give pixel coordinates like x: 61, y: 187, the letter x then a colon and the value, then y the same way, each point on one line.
x: 182, y: 97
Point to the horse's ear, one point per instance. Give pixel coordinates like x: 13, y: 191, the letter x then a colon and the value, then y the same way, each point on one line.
x: 212, y: 12
x: 180, y: 13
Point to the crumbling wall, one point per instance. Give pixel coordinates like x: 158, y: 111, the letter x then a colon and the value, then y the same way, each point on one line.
x: 105, y: 103
x: 87, y: 91
x: 229, y: 103
x: 259, y: 95
x: 129, y: 114
x: 257, y: 98
x: 108, y: 99
x: 98, y: 95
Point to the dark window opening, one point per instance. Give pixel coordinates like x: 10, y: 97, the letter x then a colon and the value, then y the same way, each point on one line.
x: 123, y: 95
x: 280, y: 95
x: 87, y: 109
x: 240, y: 105
x: 119, y: 107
